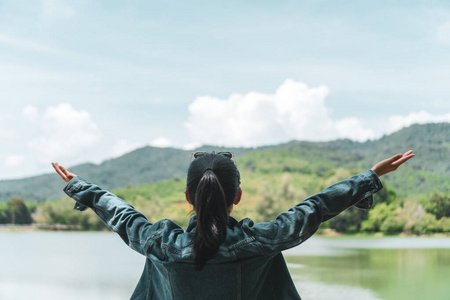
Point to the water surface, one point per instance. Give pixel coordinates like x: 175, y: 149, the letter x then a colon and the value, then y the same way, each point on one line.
x: 372, y: 268
x: 93, y: 265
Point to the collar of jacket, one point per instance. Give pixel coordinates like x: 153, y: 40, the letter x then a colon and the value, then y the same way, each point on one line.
x: 193, y: 223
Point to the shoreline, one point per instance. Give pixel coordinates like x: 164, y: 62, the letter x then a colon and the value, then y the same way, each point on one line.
x: 36, y: 227
x: 333, y: 233
x: 321, y: 232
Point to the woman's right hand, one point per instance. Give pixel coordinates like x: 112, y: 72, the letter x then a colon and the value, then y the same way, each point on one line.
x: 391, y: 164
x: 65, y: 175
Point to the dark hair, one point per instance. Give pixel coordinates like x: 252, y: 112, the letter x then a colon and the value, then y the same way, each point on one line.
x: 212, y: 185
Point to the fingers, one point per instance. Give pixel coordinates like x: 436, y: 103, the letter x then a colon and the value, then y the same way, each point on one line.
x: 404, y: 158
x: 395, y: 157
x: 409, y: 152
x: 64, y: 171
x: 65, y: 175
x: 56, y: 166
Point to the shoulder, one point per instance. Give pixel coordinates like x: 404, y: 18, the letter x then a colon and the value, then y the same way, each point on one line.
x: 167, y: 227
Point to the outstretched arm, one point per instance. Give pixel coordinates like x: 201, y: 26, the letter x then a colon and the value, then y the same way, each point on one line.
x: 132, y: 226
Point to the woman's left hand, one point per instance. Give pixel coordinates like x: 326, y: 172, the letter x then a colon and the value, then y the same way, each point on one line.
x: 65, y: 175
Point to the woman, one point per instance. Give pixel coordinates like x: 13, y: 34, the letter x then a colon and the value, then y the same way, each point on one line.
x: 217, y: 257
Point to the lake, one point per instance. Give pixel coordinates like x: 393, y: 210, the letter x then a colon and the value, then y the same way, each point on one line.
x: 98, y: 265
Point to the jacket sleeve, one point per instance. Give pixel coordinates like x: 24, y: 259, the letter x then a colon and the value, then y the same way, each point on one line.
x: 132, y: 226
x: 300, y: 222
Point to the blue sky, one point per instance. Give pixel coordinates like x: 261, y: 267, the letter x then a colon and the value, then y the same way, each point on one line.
x: 86, y: 81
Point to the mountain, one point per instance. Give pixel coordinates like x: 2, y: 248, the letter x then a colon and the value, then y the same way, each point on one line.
x: 144, y: 165
x: 428, y: 171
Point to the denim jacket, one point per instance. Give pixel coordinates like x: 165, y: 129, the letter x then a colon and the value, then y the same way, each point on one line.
x: 248, y: 265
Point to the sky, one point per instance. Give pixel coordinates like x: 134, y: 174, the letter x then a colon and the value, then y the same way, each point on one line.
x: 85, y: 81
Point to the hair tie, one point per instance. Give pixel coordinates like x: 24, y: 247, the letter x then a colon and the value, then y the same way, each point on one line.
x: 208, y: 169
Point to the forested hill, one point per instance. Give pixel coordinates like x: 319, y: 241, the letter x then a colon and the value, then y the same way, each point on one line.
x: 144, y: 165
x: 429, y: 171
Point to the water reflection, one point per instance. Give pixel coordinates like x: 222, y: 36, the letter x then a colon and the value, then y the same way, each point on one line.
x: 382, y: 273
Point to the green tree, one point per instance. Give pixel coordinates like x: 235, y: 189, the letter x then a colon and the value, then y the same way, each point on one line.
x: 444, y: 224
x: 4, y: 215
x: 392, y: 224
x: 348, y: 220
x: 273, y: 202
x: 411, y: 213
x: 17, y: 212
x: 377, y: 216
x: 269, y: 207
x: 427, y: 223
x: 386, y: 195
x: 61, y: 213
x: 439, y: 205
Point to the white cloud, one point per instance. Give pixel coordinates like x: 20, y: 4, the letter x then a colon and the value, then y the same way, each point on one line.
x: 190, y: 146
x: 295, y: 111
x: 66, y: 133
x: 397, y: 122
x: 30, y: 112
x: 352, y: 128
x: 123, y: 146
x: 161, y: 142
x: 13, y: 160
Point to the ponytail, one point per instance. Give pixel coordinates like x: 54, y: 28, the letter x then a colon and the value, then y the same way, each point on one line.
x: 212, y: 217
x: 212, y: 186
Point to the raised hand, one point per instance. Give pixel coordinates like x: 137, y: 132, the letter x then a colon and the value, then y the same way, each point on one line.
x: 391, y: 164
x: 65, y: 175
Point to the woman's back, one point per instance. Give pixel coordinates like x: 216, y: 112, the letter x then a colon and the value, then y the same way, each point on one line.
x: 240, y: 269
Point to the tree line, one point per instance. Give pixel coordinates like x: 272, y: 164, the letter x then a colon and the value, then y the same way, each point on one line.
x: 389, y: 215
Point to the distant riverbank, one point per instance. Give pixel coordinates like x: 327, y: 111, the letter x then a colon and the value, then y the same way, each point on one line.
x: 35, y: 227
x: 333, y: 233
x: 321, y: 232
